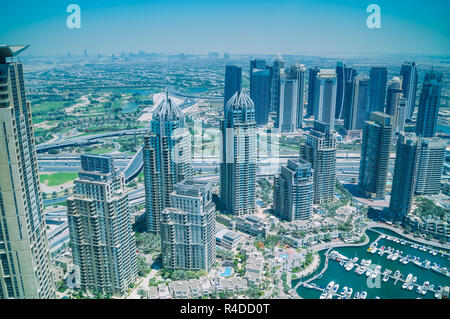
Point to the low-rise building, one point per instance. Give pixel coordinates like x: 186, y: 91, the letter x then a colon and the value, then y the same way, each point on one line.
x: 250, y: 224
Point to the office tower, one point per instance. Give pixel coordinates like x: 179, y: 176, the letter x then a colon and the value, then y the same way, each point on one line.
x: 343, y: 74
x: 25, y: 268
x: 277, y: 69
x: 226, y: 56
x: 167, y: 159
x: 312, y: 80
x: 325, y: 97
x: 394, y: 105
x: 375, y: 152
x: 188, y: 236
x: 356, y: 103
x: 405, y: 173
x: 238, y: 165
x: 287, y: 115
x: 260, y: 83
x: 430, y: 166
x: 320, y: 150
x: 297, y: 72
x: 293, y: 191
x: 233, y: 82
x: 377, y: 88
x: 100, y: 226
x: 408, y: 72
x: 429, y: 101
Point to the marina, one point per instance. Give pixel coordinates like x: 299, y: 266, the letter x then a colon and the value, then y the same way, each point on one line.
x: 389, y: 266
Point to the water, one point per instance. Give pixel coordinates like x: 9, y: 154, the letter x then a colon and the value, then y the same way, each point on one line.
x: 226, y: 272
x: 386, y: 290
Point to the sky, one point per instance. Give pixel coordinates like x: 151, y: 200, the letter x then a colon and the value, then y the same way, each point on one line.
x: 238, y: 27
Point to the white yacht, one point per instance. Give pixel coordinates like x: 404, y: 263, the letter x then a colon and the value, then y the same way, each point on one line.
x: 349, y: 292
x: 363, y: 295
x: 330, y: 285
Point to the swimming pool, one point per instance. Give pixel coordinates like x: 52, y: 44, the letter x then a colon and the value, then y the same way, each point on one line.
x: 226, y: 272
x: 284, y: 256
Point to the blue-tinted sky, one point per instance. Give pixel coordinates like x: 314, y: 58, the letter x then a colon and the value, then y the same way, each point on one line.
x: 238, y: 27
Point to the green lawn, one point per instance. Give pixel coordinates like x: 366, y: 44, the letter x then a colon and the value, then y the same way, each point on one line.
x: 56, y: 179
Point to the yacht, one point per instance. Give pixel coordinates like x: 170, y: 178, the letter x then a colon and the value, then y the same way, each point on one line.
x: 363, y: 295
x: 411, y: 286
x: 344, y: 290
x: 324, y: 295
x: 356, y: 296
x: 369, y: 272
x: 330, y: 285
x: 426, y: 284
x: 335, y: 288
x: 349, y: 293
x: 355, y: 259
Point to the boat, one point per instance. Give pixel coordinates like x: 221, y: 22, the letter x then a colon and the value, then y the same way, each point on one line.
x: 335, y: 288
x: 425, y: 287
x: 356, y: 296
x: 411, y: 286
x: 349, y: 266
x: 330, y: 285
x: 355, y: 259
x: 407, y: 281
x: 330, y: 296
x: 419, y: 289
x: 363, y: 295
x: 431, y: 287
x: 385, y: 278
x: 349, y: 293
x: 344, y: 290
x: 395, y: 257
x: 369, y: 272
x: 324, y: 295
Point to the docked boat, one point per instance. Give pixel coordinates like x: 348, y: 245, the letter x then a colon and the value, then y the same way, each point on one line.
x: 369, y: 272
x: 349, y: 293
x: 411, y: 286
x: 363, y: 295
x: 426, y: 284
x: 344, y: 291
x: 335, y: 288
x: 330, y: 285
x: 324, y: 295
x: 356, y: 296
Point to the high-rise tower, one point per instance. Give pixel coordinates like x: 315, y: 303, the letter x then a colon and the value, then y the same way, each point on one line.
x: 233, y: 82
x: 25, y: 268
x: 167, y: 159
x: 100, y: 225
x: 408, y: 72
x: 429, y: 101
x: 375, y: 153
x: 293, y: 191
x: 320, y: 150
x: 188, y: 234
x: 325, y: 97
x: 238, y: 165
x: 260, y: 84
x: 405, y: 173
x: 377, y: 88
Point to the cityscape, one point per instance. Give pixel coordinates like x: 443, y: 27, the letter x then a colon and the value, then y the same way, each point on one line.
x: 147, y: 175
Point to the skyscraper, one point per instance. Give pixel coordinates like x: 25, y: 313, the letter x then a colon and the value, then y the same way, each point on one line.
x: 297, y: 72
x: 394, y: 106
x: 238, y: 165
x: 325, y: 97
x: 429, y: 102
x: 233, y: 82
x: 377, y: 88
x: 312, y: 80
x: 287, y: 115
x: 100, y: 225
x: 25, y: 268
x: 277, y: 68
x: 356, y: 103
x: 405, y: 173
x: 430, y: 166
x: 408, y: 72
x: 375, y: 152
x: 344, y: 74
x: 320, y: 150
x: 260, y: 84
x: 188, y: 228
x: 293, y: 191
x: 167, y: 159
